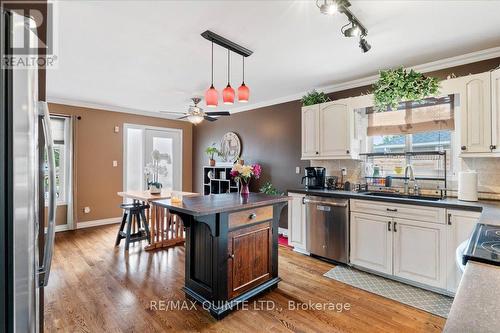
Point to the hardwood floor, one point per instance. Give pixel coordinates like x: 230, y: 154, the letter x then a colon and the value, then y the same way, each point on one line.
x: 95, y: 287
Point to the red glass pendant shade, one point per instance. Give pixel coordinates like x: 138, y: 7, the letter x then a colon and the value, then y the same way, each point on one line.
x: 228, y: 95
x: 243, y: 93
x: 212, y: 97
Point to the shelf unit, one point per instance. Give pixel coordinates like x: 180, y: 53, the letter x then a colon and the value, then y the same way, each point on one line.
x: 217, y: 180
x: 411, y: 158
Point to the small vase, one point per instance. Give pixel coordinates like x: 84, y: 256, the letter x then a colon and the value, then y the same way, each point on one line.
x: 244, y: 190
x: 154, y: 190
x: 211, y: 162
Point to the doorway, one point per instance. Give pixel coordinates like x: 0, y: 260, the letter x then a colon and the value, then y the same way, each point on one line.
x: 140, y: 142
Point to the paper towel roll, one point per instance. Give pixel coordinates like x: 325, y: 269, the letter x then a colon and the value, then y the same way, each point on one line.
x: 467, y: 185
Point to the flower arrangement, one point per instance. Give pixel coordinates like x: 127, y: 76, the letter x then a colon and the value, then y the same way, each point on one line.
x: 153, y: 169
x: 244, y: 173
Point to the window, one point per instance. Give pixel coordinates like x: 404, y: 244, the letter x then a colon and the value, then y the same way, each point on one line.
x: 60, y: 134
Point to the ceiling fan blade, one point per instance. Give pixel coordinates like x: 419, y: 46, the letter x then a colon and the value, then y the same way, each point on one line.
x: 210, y: 118
x: 173, y: 112
x: 218, y: 113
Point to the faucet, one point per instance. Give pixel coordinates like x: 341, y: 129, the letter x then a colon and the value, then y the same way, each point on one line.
x: 408, y: 178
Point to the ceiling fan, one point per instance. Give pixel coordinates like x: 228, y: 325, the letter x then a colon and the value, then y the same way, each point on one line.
x: 195, y: 114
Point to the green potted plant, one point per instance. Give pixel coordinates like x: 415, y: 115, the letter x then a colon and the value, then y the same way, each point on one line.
x: 399, y: 85
x: 211, y: 152
x: 269, y: 188
x: 314, y: 97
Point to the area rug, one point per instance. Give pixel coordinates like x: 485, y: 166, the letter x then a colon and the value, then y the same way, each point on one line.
x: 416, y: 297
x: 283, y: 241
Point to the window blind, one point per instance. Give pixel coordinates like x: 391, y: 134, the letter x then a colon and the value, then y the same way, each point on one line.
x: 431, y: 114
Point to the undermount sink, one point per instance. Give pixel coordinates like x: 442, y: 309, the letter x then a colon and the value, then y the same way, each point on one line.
x: 403, y: 196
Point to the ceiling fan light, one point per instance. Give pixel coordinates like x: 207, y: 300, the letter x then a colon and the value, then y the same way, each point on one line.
x: 243, y: 93
x: 228, y: 95
x: 212, y: 97
x: 195, y: 119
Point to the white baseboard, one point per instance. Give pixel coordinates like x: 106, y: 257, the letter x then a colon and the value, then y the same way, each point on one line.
x: 96, y: 223
x: 63, y: 227
x: 283, y: 231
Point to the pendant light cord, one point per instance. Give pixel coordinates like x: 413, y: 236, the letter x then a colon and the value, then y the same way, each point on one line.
x: 228, y: 66
x: 243, y: 70
x: 212, y: 63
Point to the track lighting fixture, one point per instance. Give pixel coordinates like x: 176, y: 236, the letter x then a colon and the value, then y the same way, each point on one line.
x: 353, y: 31
x: 327, y: 7
x: 363, y: 44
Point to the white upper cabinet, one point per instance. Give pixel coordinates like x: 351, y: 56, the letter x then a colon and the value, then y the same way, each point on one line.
x: 310, y: 132
x: 476, y: 114
x: 495, y: 110
x: 327, y: 131
x: 334, y: 140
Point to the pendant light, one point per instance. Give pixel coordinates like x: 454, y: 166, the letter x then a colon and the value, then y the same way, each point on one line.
x: 228, y: 92
x: 211, y: 95
x: 243, y: 91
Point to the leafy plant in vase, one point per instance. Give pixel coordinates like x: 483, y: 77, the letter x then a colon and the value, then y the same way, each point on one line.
x: 243, y: 174
x: 211, y: 152
x: 153, y: 168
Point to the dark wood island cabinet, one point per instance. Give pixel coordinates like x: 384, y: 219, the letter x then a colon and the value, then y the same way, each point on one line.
x: 231, y: 247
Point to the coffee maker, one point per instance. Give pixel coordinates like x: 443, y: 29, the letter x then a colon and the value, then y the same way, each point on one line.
x: 314, y: 178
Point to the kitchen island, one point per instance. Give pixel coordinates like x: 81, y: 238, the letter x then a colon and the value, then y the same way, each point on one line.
x: 231, y: 247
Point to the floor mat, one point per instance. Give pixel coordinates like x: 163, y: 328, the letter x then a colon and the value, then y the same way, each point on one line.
x: 416, y: 297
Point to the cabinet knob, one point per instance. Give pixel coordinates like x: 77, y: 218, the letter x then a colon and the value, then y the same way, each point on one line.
x: 493, y: 147
x: 252, y: 216
x: 317, y: 153
x: 347, y: 151
x: 463, y: 147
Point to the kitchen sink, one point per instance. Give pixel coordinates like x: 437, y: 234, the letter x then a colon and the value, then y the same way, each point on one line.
x: 403, y: 196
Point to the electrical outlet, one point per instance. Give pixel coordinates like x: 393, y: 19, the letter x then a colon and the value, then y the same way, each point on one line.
x: 344, y: 171
x: 297, y: 170
x: 115, y: 164
x: 86, y: 210
x: 117, y: 129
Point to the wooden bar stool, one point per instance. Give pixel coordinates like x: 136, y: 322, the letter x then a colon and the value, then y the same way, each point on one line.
x: 133, y: 213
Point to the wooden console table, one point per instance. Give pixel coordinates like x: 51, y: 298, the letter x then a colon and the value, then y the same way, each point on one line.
x: 166, y: 229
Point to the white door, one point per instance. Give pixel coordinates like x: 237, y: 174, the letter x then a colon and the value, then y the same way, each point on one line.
x: 334, y: 130
x: 310, y: 131
x: 371, y: 242
x: 420, y: 252
x: 139, y: 143
x: 168, y: 143
x: 476, y: 114
x: 297, y: 223
x: 460, y: 226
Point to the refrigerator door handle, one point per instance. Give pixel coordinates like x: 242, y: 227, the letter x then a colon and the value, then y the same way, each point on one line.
x: 44, y: 270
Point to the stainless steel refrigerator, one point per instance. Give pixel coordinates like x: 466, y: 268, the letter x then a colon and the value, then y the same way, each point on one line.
x: 27, y: 161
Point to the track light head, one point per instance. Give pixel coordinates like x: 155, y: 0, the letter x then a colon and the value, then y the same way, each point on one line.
x: 353, y: 31
x: 364, y: 45
x: 328, y: 7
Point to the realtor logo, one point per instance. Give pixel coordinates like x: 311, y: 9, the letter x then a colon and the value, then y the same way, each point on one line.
x: 31, y: 34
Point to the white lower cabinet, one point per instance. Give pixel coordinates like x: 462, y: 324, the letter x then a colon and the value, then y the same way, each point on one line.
x: 297, y: 222
x: 420, y: 252
x: 371, y: 242
x: 460, y: 226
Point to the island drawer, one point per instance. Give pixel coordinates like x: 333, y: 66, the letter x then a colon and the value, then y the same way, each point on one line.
x: 254, y: 215
x: 403, y: 211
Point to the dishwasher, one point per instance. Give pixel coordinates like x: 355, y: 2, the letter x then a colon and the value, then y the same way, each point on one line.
x: 327, y: 221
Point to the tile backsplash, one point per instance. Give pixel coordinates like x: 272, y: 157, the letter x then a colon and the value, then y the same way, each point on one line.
x: 488, y: 170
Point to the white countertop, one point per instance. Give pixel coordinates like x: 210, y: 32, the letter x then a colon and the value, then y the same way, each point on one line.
x: 476, y: 307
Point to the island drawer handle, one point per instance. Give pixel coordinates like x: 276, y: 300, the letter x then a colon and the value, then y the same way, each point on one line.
x: 252, y: 216
x: 392, y: 210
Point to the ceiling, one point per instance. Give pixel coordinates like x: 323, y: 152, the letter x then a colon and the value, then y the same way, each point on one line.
x: 145, y: 56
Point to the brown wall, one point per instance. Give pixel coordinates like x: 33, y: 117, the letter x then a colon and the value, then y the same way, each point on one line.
x: 97, y: 145
x: 272, y: 135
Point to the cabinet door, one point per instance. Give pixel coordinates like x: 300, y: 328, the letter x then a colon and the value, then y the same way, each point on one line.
x: 476, y: 114
x: 420, y: 252
x: 495, y: 110
x: 460, y: 226
x: 249, y: 261
x: 310, y: 131
x: 371, y: 242
x: 334, y: 130
x: 297, y: 223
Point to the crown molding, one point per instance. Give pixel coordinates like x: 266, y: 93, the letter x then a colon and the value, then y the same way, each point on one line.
x: 360, y: 82
x: 106, y: 107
